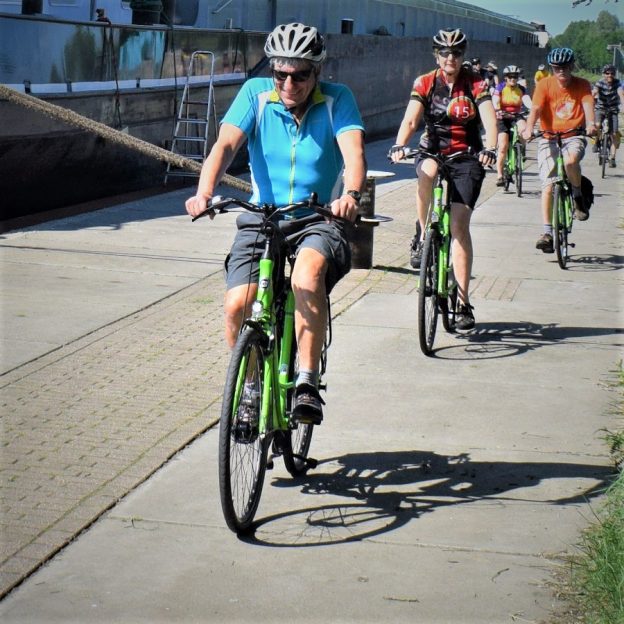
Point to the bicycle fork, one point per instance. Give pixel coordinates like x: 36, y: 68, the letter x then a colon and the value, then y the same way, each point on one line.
x: 441, y: 219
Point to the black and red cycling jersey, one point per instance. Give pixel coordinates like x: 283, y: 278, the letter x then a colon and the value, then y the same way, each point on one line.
x: 452, y: 122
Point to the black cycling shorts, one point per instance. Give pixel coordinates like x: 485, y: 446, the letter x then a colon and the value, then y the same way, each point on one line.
x: 467, y: 174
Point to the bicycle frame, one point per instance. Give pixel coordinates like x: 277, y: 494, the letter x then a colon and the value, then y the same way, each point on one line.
x: 276, y: 373
x: 514, y: 139
x: 510, y: 161
x: 563, y: 182
x: 440, y: 219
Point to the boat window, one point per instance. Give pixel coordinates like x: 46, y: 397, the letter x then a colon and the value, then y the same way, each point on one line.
x: 63, y: 2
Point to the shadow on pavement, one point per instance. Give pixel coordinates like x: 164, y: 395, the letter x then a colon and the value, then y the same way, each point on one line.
x: 383, y: 491
x: 504, y: 339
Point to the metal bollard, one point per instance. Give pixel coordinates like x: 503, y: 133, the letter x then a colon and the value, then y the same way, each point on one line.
x: 361, y: 237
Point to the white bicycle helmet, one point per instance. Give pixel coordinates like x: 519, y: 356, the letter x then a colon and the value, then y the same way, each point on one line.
x: 296, y: 41
x: 511, y: 69
x: 450, y: 38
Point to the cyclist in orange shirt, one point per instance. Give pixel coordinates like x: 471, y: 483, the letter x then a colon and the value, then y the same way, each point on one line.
x: 562, y: 102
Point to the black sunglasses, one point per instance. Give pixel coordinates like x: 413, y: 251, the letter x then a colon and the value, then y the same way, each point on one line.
x: 512, y: 76
x: 298, y: 76
x: 609, y: 73
x: 446, y: 52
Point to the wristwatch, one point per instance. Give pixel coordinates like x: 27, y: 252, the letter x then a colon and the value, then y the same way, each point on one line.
x: 355, y: 194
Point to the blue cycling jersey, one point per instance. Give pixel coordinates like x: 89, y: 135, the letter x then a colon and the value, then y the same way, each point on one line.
x: 287, y: 161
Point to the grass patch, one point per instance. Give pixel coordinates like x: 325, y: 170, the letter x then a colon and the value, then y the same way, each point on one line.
x: 597, y: 574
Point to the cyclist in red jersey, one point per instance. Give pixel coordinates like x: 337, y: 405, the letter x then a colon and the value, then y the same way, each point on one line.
x: 453, y: 101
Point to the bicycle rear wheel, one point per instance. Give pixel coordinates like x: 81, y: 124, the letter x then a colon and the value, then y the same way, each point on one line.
x: 518, y: 171
x: 242, y: 450
x: 428, y: 292
x: 560, y: 228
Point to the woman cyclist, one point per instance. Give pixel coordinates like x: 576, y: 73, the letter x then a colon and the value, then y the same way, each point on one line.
x: 453, y: 101
x: 510, y: 99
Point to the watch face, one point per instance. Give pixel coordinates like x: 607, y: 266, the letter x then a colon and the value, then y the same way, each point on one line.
x: 355, y: 194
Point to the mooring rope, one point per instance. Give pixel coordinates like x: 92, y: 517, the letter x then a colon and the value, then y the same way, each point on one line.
x: 79, y: 121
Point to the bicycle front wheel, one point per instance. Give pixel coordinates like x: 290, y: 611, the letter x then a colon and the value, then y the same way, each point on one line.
x: 560, y: 228
x: 507, y: 172
x: 298, y: 439
x: 606, y: 153
x: 518, y: 172
x: 242, y: 450
x: 448, y: 308
x: 428, y: 292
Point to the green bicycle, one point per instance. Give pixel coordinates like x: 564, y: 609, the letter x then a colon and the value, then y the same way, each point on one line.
x: 562, y: 200
x: 512, y: 169
x: 260, y: 381
x: 437, y: 290
x: 606, y: 140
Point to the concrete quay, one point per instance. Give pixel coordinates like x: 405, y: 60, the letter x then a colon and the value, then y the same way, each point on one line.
x: 449, y: 489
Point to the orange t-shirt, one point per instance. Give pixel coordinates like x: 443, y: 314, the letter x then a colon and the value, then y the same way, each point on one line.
x: 561, y: 108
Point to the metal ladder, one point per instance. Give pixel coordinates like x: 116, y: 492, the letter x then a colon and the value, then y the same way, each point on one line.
x: 192, y: 128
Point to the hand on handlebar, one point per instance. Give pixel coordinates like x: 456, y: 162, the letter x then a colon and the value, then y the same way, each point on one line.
x: 345, y: 207
x: 397, y: 153
x: 198, y: 204
x: 487, y: 157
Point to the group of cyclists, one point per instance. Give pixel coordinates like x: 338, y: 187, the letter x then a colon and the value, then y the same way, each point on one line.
x: 305, y: 135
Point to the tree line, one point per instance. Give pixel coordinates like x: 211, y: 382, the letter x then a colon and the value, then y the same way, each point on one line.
x: 589, y: 41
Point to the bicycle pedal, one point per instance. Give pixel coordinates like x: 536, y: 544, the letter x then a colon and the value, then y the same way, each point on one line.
x: 270, y: 463
x: 311, y: 462
x: 571, y: 244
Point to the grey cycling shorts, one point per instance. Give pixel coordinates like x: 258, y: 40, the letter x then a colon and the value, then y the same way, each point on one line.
x: 573, y: 146
x: 328, y: 238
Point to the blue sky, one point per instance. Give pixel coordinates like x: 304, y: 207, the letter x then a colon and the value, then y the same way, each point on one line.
x: 556, y: 14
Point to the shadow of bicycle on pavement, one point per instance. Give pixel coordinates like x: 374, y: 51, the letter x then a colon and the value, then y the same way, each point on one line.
x: 592, y: 263
x: 370, y: 494
x: 507, y: 339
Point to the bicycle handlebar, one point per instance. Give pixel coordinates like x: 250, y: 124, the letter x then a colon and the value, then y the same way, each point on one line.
x: 220, y: 205
x: 409, y: 152
x: 559, y: 135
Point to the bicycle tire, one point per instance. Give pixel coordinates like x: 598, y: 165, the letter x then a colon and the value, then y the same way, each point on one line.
x: 518, y: 172
x: 560, y: 230
x: 428, y: 292
x: 296, y: 442
x: 242, y: 450
x: 606, y: 153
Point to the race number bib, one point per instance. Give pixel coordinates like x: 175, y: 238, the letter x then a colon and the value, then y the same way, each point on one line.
x: 461, y: 109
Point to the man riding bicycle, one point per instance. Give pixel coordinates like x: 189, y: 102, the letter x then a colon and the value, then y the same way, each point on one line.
x: 509, y: 100
x: 301, y: 133
x: 608, y: 93
x: 454, y: 102
x: 562, y: 102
